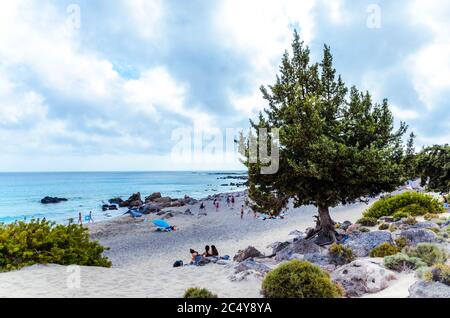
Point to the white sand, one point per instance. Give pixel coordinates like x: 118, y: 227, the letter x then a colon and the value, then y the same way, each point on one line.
x: 143, y: 259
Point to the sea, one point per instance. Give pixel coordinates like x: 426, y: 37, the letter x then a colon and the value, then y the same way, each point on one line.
x: 21, y: 193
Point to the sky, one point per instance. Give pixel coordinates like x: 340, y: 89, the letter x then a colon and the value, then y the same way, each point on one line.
x: 99, y: 85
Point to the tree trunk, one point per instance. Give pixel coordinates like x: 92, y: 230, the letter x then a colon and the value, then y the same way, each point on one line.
x: 325, y: 227
x: 328, y: 226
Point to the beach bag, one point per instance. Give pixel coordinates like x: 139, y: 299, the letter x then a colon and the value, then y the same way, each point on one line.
x: 178, y: 264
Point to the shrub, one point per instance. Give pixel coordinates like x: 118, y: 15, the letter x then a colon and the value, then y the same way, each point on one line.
x: 431, y: 216
x: 401, y: 262
x: 42, y: 242
x: 296, y: 279
x: 364, y: 230
x: 399, y: 215
x: 384, y: 250
x: 438, y: 273
x: 341, y: 255
x: 367, y: 221
x: 393, y: 228
x: 198, y: 293
x: 402, y: 242
x: 383, y: 227
x: 410, y: 220
x: 433, y: 229
x: 408, y: 202
x: 429, y: 253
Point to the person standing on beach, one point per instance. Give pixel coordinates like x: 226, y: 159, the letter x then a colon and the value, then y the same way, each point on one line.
x: 202, y: 208
x: 228, y: 200
x: 91, y: 220
x: 80, y: 219
x: 217, y: 206
x: 232, y: 201
x: 242, y: 212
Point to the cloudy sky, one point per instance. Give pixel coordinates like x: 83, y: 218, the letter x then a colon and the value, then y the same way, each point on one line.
x: 103, y: 85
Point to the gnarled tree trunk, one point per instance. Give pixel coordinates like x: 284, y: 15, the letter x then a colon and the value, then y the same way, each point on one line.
x: 325, y: 226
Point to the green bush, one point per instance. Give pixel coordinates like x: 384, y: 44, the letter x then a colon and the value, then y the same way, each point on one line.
x: 42, y: 242
x: 410, y: 220
x: 340, y: 254
x: 429, y: 253
x: 383, y: 227
x: 364, y: 230
x: 367, y: 221
x: 399, y: 215
x: 296, y: 279
x: 384, y: 250
x: 401, y: 262
x: 198, y: 293
x: 402, y: 242
x: 393, y: 228
x: 438, y: 273
x: 408, y: 202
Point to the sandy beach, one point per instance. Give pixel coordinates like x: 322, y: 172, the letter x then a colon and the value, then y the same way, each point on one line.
x: 142, y: 258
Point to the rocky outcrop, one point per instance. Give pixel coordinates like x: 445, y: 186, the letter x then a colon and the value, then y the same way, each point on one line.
x: 416, y: 236
x: 107, y: 207
x: 53, y: 200
x: 363, y: 276
x: 116, y: 201
x: 363, y: 243
x: 250, y: 264
x: 424, y: 289
x: 149, y: 208
x: 134, y: 201
x: 301, y: 246
x: 249, y: 252
x: 152, y: 197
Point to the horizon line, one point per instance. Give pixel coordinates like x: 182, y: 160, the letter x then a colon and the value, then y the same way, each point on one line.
x: 120, y: 171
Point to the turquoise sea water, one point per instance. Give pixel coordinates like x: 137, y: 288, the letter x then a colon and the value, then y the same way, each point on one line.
x: 20, y: 193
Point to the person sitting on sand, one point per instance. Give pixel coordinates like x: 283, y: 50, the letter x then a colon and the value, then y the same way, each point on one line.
x: 194, y: 254
x: 214, y: 251
x: 207, y: 251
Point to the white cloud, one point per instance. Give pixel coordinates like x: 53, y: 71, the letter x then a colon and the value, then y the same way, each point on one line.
x: 146, y: 16
x: 430, y: 65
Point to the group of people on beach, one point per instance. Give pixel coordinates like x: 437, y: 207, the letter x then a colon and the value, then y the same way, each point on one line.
x: 230, y: 200
x: 88, y: 218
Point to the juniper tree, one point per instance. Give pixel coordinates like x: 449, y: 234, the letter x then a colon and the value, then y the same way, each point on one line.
x: 336, y: 145
x: 433, y: 168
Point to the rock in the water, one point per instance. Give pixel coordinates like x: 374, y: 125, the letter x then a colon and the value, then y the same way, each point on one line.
x: 153, y: 197
x: 107, y: 207
x: 362, y: 276
x: 250, y: 264
x: 51, y: 200
x: 424, y: 289
x: 116, y: 201
x: 416, y: 236
x: 363, y: 243
x: 249, y: 252
x: 133, y: 202
x: 298, y: 247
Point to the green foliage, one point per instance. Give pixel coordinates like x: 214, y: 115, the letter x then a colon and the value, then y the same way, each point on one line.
x: 393, y: 228
x: 402, y: 242
x: 434, y: 165
x: 41, y: 242
x: 341, y: 255
x: 402, y: 262
x: 399, y: 215
x: 429, y: 253
x: 411, y: 203
x: 198, y: 293
x: 438, y: 273
x: 296, y: 279
x: 336, y: 144
x: 431, y: 216
x: 410, y: 220
x: 383, y: 227
x: 364, y: 230
x: 367, y: 221
x: 384, y: 249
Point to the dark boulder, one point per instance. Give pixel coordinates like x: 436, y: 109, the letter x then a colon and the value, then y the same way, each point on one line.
x: 116, y: 201
x: 51, y: 200
x: 249, y: 252
x: 153, y: 197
